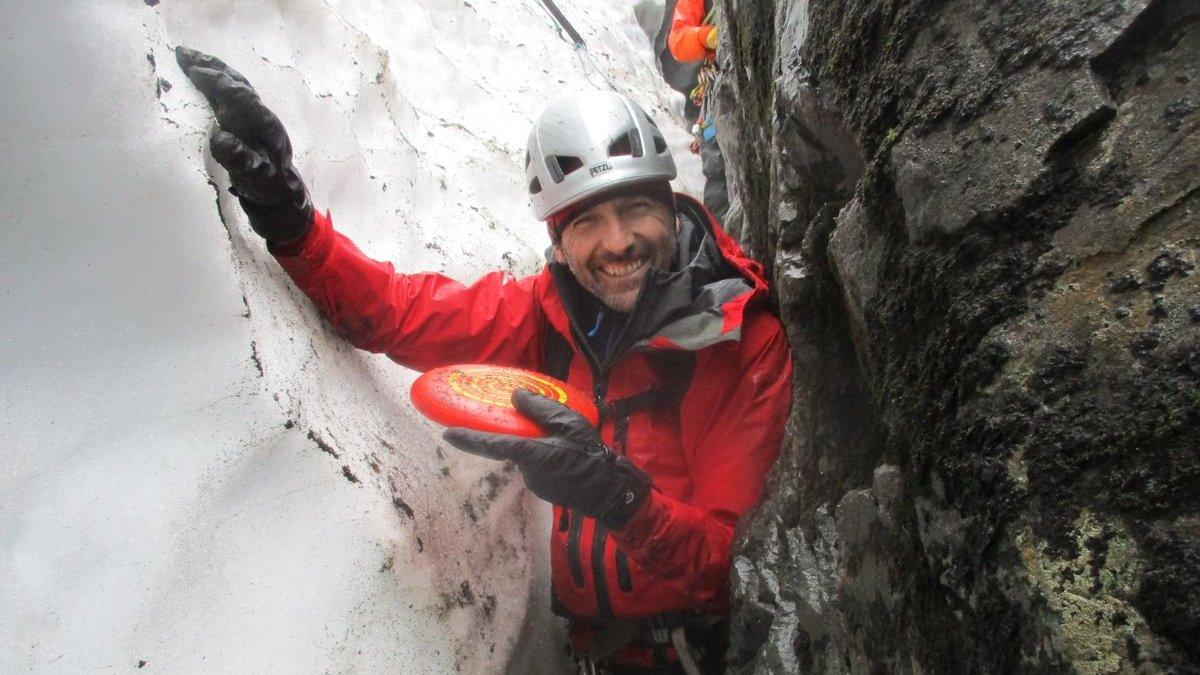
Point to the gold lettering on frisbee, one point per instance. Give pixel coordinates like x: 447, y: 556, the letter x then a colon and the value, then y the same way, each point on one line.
x: 496, y: 388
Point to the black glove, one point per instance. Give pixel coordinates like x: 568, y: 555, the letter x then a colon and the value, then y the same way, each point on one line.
x: 570, y: 466
x: 253, y: 146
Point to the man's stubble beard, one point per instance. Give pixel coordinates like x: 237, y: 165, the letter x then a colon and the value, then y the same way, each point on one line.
x: 622, y: 301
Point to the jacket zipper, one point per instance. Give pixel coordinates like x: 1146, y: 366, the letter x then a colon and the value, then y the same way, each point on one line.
x: 573, y: 557
x: 599, y: 539
x: 623, y: 577
x: 599, y: 544
x: 600, y: 373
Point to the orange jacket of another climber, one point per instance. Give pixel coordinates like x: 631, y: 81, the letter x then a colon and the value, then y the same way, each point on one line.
x: 691, y: 39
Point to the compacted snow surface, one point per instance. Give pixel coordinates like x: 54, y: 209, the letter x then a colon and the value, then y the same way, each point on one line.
x: 200, y: 476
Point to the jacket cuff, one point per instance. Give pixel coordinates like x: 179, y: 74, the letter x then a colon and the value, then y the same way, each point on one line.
x: 643, y: 526
x: 310, y: 252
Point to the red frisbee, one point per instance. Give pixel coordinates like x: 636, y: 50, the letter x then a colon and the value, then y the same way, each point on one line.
x: 479, y: 396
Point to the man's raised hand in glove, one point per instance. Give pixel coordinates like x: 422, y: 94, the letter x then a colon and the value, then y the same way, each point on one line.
x: 253, y: 146
x: 569, y: 466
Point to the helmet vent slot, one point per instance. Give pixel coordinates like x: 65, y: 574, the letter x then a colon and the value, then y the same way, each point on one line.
x: 535, y: 186
x: 561, y: 166
x: 628, y: 144
x: 620, y: 147
x: 660, y: 145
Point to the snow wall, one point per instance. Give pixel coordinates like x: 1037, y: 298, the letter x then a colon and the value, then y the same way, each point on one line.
x: 200, y: 476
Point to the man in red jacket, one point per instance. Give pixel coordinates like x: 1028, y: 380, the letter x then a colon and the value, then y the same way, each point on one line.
x: 693, y: 34
x: 693, y: 40
x: 646, y: 303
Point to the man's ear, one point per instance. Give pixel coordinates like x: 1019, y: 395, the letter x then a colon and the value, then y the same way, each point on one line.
x: 556, y: 242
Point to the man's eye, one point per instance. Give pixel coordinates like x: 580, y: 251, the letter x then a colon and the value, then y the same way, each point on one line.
x: 581, y: 223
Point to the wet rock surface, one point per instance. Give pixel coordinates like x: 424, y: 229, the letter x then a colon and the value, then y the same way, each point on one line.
x: 983, y: 221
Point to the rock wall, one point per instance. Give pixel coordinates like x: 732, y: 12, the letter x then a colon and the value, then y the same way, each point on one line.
x: 982, y: 218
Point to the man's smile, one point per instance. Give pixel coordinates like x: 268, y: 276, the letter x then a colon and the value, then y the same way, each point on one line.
x: 619, y: 270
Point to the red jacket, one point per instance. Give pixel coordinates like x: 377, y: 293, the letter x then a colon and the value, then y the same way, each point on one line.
x: 689, y: 34
x: 707, y: 452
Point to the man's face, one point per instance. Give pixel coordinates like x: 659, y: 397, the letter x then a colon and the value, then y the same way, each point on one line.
x: 611, y: 247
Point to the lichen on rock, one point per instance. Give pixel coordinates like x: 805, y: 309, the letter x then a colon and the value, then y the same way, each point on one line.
x: 1091, y: 594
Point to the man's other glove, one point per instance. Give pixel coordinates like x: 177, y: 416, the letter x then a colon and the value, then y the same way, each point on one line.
x: 253, y: 146
x: 710, y: 40
x: 570, y: 466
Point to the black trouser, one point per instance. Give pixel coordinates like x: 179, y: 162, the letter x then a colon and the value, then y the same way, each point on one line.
x: 670, y: 669
x: 708, y: 642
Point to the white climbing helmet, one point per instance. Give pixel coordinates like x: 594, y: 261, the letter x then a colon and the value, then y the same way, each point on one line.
x: 589, y: 143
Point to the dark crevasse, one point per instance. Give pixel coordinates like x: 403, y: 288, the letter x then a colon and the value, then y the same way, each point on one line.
x: 982, y: 221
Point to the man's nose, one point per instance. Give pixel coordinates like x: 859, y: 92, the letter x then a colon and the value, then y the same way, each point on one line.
x: 616, y: 237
